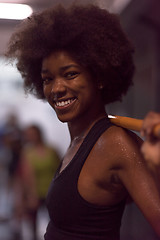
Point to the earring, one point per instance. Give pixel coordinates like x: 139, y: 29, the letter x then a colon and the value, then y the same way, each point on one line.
x: 100, y: 87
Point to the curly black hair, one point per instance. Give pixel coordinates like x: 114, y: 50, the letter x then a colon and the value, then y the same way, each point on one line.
x: 93, y: 37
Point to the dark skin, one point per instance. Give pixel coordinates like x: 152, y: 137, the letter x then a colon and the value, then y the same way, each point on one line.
x: 115, y: 166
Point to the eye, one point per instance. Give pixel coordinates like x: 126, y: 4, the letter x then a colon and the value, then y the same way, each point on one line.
x: 71, y: 74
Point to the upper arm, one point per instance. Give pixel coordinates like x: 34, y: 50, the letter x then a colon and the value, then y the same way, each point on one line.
x: 137, y: 178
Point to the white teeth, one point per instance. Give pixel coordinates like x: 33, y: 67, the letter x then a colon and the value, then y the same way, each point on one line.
x: 63, y: 103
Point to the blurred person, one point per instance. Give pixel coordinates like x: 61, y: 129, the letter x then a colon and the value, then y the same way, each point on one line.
x: 39, y: 161
x: 10, y: 148
x: 5, y: 156
x: 79, y: 59
x: 151, y: 145
x: 12, y: 135
x: 5, y: 159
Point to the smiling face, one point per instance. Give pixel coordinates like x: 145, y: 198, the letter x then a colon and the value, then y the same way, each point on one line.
x: 69, y: 88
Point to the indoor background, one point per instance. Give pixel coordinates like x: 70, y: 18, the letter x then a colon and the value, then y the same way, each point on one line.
x: 141, y: 20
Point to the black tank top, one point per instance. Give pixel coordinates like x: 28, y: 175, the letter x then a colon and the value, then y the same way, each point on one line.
x: 71, y: 216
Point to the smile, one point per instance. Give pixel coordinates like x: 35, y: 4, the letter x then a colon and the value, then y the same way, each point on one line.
x: 64, y: 103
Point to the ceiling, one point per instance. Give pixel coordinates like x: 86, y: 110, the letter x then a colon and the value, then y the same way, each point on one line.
x: 7, y: 26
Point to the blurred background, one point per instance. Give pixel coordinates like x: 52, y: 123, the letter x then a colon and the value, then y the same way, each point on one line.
x: 141, y: 21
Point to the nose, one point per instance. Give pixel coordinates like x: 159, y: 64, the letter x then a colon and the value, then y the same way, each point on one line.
x: 58, y: 87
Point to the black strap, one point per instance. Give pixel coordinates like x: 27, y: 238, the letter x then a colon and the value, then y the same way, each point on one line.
x: 91, y: 138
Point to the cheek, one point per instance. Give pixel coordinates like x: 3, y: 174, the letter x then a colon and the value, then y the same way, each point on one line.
x: 46, y: 91
x: 84, y: 85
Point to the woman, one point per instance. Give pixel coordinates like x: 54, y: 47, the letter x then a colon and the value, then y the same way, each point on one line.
x: 39, y: 162
x: 79, y: 59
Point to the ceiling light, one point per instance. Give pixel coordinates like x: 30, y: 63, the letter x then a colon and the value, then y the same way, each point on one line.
x: 14, y: 11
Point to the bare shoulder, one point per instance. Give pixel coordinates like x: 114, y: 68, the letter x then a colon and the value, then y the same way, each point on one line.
x: 122, y: 136
x: 121, y: 146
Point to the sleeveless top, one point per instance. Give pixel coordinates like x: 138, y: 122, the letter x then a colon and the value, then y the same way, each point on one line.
x: 71, y: 216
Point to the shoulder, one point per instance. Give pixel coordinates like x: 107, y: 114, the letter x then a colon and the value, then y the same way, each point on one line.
x: 116, y: 136
x: 119, y: 145
x: 122, y: 136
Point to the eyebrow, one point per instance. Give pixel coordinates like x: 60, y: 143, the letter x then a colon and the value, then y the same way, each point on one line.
x: 45, y: 71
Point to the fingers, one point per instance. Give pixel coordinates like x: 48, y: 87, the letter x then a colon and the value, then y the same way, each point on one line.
x: 151, y: 152
x: 150, y: 121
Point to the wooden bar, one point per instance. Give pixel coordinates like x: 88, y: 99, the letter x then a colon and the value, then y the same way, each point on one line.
x: 132, y: 124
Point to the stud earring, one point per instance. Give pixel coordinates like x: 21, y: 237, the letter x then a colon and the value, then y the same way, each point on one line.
x: 100, y: 87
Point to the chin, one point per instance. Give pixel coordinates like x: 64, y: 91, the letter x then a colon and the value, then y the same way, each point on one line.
x: 62, y: 120
x: 66, y: 119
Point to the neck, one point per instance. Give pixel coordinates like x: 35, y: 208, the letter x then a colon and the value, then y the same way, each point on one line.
x: 79, y: 128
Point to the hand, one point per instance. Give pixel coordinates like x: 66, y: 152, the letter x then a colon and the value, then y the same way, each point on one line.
x: 151, y: 145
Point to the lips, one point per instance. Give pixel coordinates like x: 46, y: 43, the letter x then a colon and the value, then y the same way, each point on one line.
x: 64, y: 103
